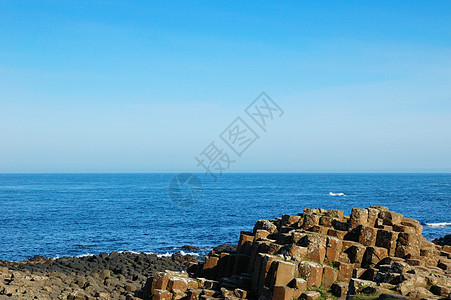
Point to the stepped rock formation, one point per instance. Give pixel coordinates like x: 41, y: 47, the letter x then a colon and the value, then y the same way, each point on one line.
x: 318, y: 254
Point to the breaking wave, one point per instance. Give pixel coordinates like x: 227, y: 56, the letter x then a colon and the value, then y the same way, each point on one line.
x: 336, y: 194
x: 441, y: 224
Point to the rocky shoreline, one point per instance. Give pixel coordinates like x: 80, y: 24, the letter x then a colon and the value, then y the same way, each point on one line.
x: 372, y: 254
x: 104, y: 276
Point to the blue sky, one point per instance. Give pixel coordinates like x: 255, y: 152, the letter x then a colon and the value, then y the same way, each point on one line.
x: 105, y: 86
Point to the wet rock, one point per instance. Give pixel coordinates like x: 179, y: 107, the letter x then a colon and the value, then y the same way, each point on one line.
x: 190, y: 248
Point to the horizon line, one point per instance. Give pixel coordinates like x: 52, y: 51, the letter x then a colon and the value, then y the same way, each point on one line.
x: 244, y: 172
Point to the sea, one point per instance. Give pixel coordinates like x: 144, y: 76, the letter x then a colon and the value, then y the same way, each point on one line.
x: 56, y: 215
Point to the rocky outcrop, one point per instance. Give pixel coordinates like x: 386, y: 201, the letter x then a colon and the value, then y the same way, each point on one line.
x: 444, y: 241
x: 318, y: 254
x: 103, y: 276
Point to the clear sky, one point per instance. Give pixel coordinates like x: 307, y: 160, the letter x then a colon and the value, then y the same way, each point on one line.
x: 128, y: 86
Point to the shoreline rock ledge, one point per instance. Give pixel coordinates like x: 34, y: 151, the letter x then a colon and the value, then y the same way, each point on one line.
x: 372, y: 254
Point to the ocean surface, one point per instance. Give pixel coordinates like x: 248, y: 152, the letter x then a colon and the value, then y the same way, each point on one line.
x: 56, y: 215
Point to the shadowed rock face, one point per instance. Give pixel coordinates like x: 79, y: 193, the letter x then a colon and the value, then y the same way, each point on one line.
x: 373, y: 253
x: 444, y: 241
x: 103, y: 276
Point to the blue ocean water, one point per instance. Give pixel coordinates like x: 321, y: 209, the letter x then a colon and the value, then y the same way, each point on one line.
x: 73, y: 214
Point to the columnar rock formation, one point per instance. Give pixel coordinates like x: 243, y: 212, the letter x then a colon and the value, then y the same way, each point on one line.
x: 318, y: 254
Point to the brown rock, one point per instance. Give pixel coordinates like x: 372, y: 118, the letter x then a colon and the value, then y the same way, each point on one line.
x: 194, y: 294
x: 313, y: 239
x: 326, y: 221
x: 210, y: 262
x: 177, y: 295
x: 337, y: 214
x: 390, y: 217
x: 367, y: 235
x: 344, y: 271
x: 355, y: 253
x: 311, y: 272
x: 177, y: 284
x: 415, y: 262
x: 310, y: 220
x: 299, y: 284
x: 319, y: 229
x: 373, y: 214
x: 358, y: 272
x: 160, y: 281
x: 407, y: 244
x: 344, y: 258
x: 373, y: 255
x: 420, y: 293
x: 246, y: 239
x: 403, y: 228
x: 161, y: 295
x: 333, y: 248
x: 359, y: 285
x: 387, y: 239
x: 260, y: 234
x: 290, y: 219
x: 337, y: 233
x: 340, y: 289
x: 297, y: 252
x: 316, y: 253
x: 348, y: 244
x: 297, y: 235
x: 310, y: 295
x: 409, y: 285
x: 283, y: 273
x: 316, y: 211
x: 283, y: 293
x: 379, y: 208
x: 261, y: 278
x: 413, y: 223
x: 359, y: 216
x: 265, y: 225
x: 330, y: 275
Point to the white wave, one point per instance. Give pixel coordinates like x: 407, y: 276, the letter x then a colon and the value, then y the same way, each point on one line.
x: 167, y: 254
x: 336, y: 194
x: 188, y: 253
x: 85, y: 255
x: 442, y: 224
x: 78, y: 256
x: 129, y: 251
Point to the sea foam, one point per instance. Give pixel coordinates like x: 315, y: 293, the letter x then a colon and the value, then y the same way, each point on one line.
x: 336, y: 194
x: 440, y: 224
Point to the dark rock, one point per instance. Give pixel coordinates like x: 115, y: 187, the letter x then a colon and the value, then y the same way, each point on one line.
x: 190, y: 248
x: 444, y: 241
x: 224, y: 248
